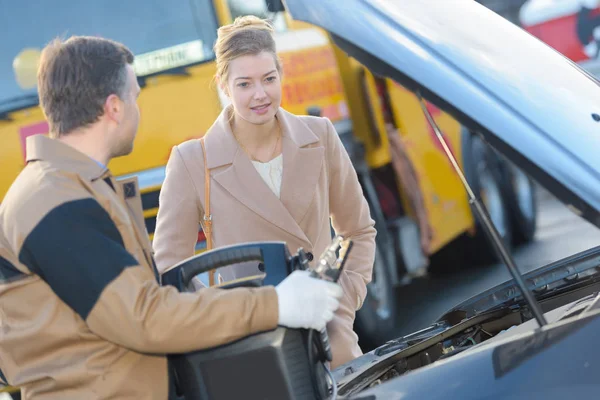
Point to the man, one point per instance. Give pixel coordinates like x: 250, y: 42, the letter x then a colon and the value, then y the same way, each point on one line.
x: 81, y: 313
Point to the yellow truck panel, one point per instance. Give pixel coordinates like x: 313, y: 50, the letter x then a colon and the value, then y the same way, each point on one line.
x: 445, y: 197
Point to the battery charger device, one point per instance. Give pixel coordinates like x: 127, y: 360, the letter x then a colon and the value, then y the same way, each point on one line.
x: 279, y: 364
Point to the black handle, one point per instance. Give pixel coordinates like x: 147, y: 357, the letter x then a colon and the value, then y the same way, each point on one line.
x: 274, y: 255
x: 218, y: 258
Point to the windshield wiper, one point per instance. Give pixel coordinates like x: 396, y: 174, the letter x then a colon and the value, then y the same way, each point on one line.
x: 15, y: 104
x: 577, y: 269
x: 489, y: 227
x: 594, y: 305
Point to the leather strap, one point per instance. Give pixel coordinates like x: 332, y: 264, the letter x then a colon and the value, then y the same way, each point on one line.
x: 207, y: 219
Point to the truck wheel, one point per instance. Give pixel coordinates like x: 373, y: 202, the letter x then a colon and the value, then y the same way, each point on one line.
x: 376, y: 319
x: 519, y: 191
x: 482, y: 170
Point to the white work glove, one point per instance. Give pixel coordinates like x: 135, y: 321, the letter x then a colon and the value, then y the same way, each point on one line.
x: 307, y: 302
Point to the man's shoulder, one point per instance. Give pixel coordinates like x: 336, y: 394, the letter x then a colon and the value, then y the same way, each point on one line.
x: 42, y: 179
x: 36, y: 191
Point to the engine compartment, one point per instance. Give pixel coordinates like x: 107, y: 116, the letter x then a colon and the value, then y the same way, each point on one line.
x: 455, y: 333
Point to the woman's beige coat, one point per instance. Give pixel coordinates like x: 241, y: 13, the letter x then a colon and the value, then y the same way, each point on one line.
x: 318, y: 182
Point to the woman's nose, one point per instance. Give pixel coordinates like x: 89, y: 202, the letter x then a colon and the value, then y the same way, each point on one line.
x: 260, y: 92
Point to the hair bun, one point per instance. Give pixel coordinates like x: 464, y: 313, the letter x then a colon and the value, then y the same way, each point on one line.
x: 251, y: 21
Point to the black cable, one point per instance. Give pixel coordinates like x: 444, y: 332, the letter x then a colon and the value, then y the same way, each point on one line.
x: 334, y: 386
x: 350, y: 245
x: 311, y: 333
x: 313, y: 369
x: 311, y: 361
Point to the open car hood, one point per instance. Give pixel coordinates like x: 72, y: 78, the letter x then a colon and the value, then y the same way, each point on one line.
x: 528, y: 101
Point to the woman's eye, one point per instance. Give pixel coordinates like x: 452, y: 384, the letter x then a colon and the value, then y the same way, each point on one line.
x: 243, y: 84
x: 271, y: 79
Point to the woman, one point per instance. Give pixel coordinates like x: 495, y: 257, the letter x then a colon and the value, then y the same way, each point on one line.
x: 274, y: 177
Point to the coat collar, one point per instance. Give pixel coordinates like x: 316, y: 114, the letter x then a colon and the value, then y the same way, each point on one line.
x: 303, y: 158
x: 65, y: 157
x: 223, y: 146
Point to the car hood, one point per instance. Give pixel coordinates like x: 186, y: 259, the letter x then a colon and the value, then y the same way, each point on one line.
x: 530, y: 102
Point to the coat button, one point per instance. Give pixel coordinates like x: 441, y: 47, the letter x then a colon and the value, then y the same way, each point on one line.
x: 310, y: 256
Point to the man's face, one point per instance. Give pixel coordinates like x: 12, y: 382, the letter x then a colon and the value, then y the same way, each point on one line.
x: 129, y: 120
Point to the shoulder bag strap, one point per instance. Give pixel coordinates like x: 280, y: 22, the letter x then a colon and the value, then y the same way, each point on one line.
x: 207, y: 219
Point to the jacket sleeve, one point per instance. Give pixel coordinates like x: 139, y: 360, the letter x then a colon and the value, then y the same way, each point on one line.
x: 79, y: 251
x: 179, y: 214
x: 351, y: 218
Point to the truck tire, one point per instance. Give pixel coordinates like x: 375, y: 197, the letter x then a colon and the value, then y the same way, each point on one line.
x: 377, y: 318
x: 520, y: 193
x: 482, y: 170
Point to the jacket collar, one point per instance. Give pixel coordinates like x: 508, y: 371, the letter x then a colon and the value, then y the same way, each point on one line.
x: 63, y: 156
x: 221, y: 145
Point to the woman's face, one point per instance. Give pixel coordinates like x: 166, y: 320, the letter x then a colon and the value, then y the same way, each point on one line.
x: 254, y: 87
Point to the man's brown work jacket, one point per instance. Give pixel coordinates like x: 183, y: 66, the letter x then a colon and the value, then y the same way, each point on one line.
x: 82, y: 315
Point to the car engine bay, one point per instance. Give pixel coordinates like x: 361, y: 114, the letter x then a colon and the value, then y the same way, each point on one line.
x: 455, y: 333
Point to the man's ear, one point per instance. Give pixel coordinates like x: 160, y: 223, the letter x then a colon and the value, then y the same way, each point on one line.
x: 113, y: 108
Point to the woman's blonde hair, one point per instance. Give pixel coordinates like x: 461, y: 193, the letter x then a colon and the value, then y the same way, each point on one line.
x: 247, y: 35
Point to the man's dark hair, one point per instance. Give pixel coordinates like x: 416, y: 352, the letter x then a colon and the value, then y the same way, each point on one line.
x: 76, y: 76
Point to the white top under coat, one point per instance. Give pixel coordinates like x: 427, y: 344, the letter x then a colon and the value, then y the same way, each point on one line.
x: 271, y: 172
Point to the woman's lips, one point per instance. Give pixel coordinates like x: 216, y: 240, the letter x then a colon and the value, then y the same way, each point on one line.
x: 261, y: 109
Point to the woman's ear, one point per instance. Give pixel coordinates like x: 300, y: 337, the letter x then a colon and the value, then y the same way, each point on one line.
x: 222, y: 86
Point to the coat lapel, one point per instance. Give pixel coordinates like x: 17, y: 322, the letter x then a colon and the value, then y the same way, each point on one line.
x: 244, y: 183
x: 302, y: 165
x: 301, y: 169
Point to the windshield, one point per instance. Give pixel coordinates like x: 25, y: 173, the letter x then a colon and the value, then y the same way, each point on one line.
x: 161, y: 35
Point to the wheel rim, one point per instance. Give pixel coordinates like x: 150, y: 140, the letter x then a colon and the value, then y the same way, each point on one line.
x: 523, y: 188
x: 379, y: 291
x: 491, y: 197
